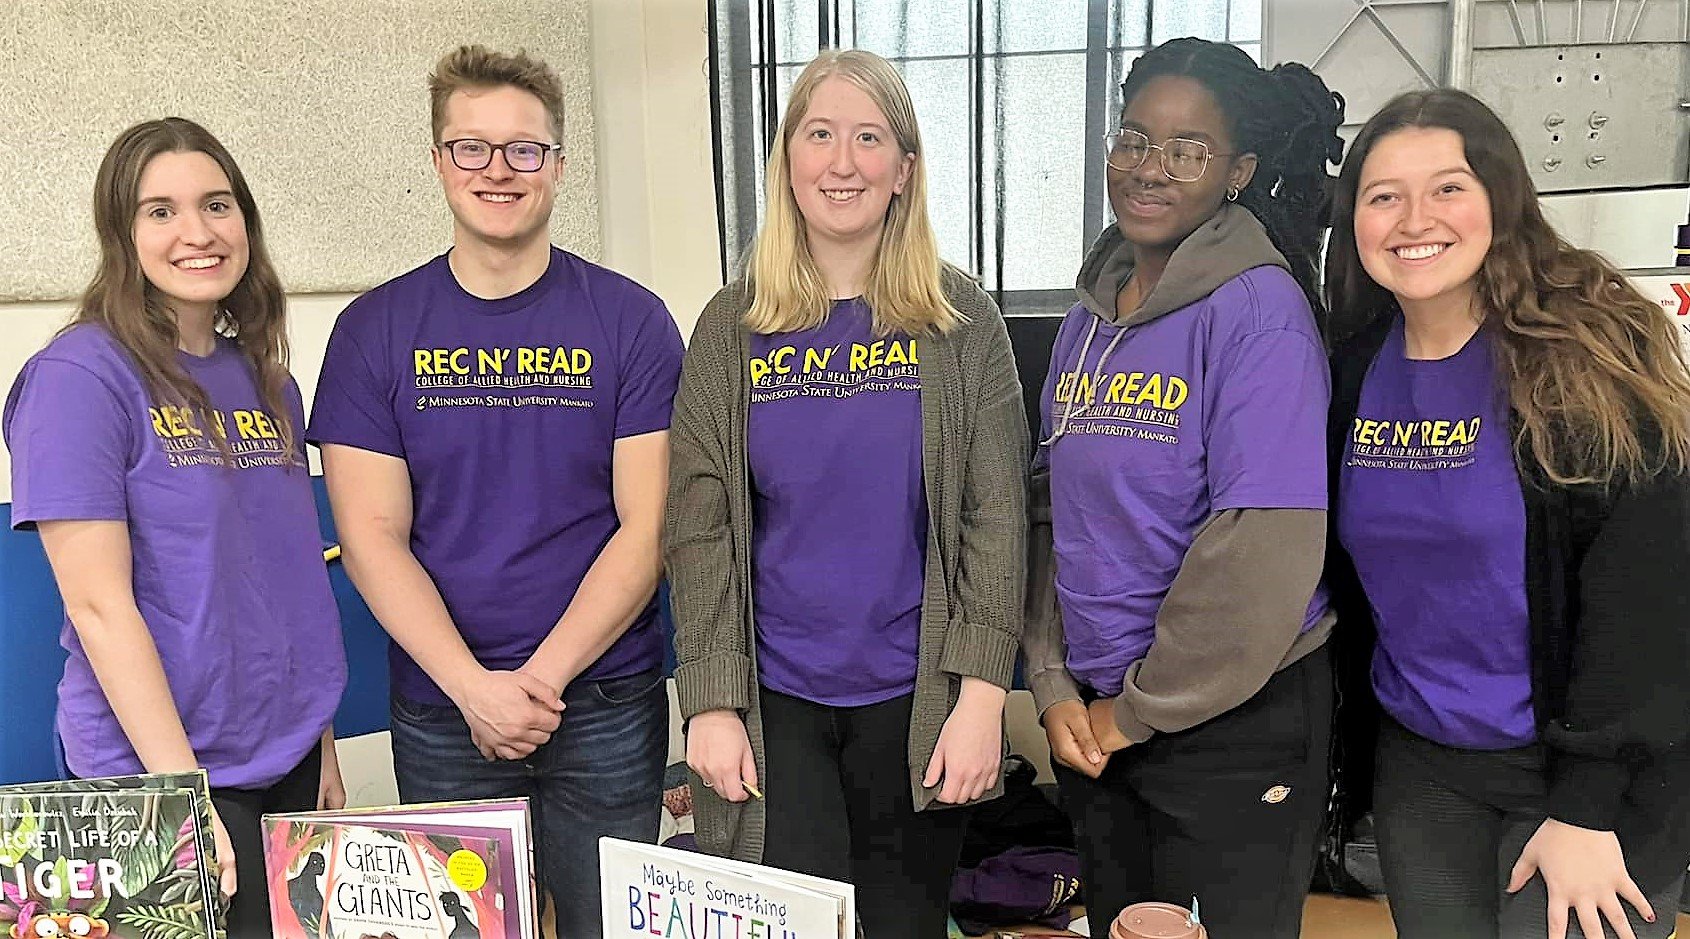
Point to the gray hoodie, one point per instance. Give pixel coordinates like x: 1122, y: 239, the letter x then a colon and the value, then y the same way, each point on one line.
x: 1235, y: 612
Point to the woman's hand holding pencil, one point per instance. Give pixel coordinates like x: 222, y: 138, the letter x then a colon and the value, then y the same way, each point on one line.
x: 719, y: 751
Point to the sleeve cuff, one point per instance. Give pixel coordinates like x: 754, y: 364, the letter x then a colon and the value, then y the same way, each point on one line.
x: 1052, y: 686
x: 1586, y: 791
x: 25, y: 518
x: 1131, y: 727
x: 385, y: 448
x: 980, y: 652
x: 715, y: 682
x: 640, y: 428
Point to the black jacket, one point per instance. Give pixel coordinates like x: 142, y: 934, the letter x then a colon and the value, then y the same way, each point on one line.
x: 1608, y: 596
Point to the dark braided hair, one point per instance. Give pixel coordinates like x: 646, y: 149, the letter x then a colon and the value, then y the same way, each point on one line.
x: 1289, y: 119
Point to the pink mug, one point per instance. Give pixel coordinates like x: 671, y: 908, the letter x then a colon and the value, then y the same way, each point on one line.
x: 1156, y: 921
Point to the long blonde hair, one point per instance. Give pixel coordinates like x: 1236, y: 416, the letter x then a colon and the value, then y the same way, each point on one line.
x: 126, y: 305
x: 1591, y: 366
x: 904, y: 290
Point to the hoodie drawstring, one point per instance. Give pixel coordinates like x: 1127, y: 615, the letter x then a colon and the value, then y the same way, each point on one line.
x: 1068, y: 410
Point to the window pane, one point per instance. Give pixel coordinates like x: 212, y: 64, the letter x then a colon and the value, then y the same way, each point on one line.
x: 798, y: 34
x: 1129, y: 22
x: 912, y: 27
x: 1036, y: 142
x: 1173, y: 20
x: 1017, y: 26
x: 1245, y: 21
x: 1040, y: 130
x: 944, y: 107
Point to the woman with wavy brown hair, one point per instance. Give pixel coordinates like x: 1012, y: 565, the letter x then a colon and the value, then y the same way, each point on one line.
x: 1510, y: 441
x: 155, y: 446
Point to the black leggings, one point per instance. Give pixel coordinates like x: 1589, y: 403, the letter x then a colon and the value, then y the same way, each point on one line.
x: 242, y: 811
x: 839, y: 806
x: 1452, y: 822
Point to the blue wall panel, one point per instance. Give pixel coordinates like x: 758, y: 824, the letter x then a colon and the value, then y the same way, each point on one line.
x: 30, y: 614
x: 30, y: 618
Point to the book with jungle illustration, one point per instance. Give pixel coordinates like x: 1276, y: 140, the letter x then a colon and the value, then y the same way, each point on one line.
x: 128, y: 857
x: 444, y: 871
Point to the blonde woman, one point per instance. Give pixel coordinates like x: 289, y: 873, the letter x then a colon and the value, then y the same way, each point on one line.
x: 845, y: 522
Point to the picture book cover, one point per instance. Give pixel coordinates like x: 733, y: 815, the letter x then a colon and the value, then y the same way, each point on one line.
x: 648, y: 890
x: 128, y: 857
x: 445, y: 871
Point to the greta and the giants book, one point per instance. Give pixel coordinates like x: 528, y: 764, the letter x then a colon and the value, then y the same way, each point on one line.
x: 443, y: 871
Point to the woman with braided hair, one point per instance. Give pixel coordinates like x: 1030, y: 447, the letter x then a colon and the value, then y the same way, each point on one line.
x: 1176, y: 634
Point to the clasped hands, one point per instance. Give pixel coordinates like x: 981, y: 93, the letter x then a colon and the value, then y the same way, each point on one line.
x: 1083, y: 736
x: 510, y: 713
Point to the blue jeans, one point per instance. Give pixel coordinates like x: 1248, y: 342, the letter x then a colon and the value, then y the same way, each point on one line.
x: 600, y: 774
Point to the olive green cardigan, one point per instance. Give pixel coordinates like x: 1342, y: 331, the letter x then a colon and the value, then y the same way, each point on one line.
x: 974, y: 458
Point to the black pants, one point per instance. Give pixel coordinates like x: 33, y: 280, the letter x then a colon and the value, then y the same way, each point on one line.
x: 1452, y: 822
x: 1227, y: 811
x: 839, y: 805
x: 241, y: 811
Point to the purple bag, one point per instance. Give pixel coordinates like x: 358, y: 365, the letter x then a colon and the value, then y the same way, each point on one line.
x: 1018, y: 886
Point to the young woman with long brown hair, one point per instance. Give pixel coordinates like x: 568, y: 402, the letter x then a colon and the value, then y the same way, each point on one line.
x: 156, y: 445
x: 1510, y: 436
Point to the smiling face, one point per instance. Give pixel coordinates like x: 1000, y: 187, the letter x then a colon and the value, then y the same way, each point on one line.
x: 1422, y: 219
x: 845, y: 166
x: 1153, y: 212
x: 496, y: 204
x: 190, y: 235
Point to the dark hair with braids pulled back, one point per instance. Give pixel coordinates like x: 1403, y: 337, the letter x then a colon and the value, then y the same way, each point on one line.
x: 1288, y: 118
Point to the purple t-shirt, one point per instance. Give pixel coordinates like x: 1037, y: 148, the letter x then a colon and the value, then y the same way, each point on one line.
x: 1218, y: 405
x: 839, y: 539
x: 227, y: 563
x: 506, y: 413
x: 1433, y: 516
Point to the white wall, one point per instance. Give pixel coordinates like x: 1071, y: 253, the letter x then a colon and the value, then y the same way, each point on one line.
x: 323, y: 102
x: 657, y: 179
x: 656, y: 185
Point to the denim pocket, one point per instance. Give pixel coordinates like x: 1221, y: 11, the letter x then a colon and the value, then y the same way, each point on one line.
x: 629, y: 688
x: 426, y: 715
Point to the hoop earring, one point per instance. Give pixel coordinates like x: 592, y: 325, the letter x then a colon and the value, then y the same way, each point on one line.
x: 1232, y: 193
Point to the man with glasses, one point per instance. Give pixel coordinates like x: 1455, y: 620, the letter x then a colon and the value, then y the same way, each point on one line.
x: 494, y: 432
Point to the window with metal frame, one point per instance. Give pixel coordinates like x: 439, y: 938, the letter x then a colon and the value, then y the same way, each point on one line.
x: 1014, y: 97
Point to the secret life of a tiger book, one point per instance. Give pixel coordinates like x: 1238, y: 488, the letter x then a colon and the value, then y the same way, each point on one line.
x: 129, y: 856
x: 461, y: 870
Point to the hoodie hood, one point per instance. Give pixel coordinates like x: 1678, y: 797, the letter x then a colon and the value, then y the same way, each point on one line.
x: 1228, y: 244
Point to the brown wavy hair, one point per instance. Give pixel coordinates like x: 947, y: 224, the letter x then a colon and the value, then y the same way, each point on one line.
x: 122, y: 301
x: 1592, y: 369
